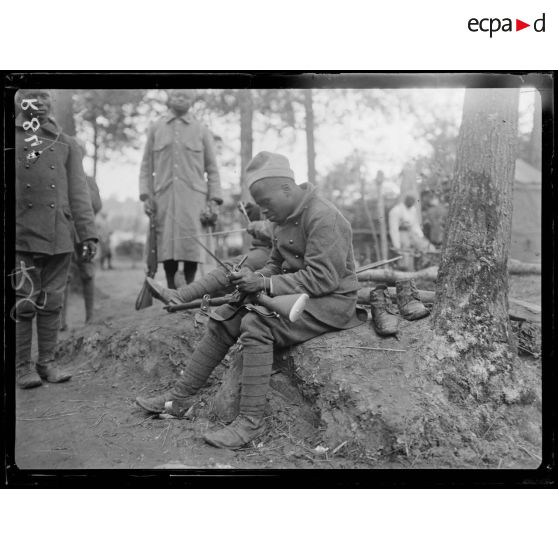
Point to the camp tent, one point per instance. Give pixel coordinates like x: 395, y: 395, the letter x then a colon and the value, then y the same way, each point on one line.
x: 526, y: 221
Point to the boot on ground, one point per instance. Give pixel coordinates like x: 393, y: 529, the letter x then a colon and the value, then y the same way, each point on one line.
x: 240, y: 432
x: 167, y: 402
x: 27, y: 377
x: 51, y: 373
x: 384, y: 315
x: 168, y: 296
x: 408, y: 301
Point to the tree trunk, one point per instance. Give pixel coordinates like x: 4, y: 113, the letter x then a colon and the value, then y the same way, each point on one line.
x: 471, y: 343
x: 246, y: 143
x: 63, y: 110
x: 95, y: 149
x: 536, y: 134
x: 382, y: 213
x: 310, y: 148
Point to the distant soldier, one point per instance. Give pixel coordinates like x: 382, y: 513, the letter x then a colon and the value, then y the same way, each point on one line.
x: 85, y: 270
x: 178, y: 156
x: 52, y: 199
x: 105, y: 232
x: 405, y: 232
x: 434, y: 221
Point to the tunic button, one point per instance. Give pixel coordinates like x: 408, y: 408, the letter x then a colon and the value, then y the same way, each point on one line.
x: 297, y: 256
x: 290, y: 241
x: 29, y: 204
x: 28, y: 185
x: 25, y: 148
x: 51, y: 205
x: 26, y: 166
x: 296, y: 222
x: 51, y: 166
x: 53, y: 185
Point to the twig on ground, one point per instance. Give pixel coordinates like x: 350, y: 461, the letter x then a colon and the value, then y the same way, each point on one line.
x: 99, y: 421
x: 167, y: 433
x: 375, y: 349
x: 141, y: 422
x: 534, y: 455
x: 338, y: 447
x: 49, y: 418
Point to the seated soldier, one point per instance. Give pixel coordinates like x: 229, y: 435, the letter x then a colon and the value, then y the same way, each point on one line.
x: 312, y: 253
x: 216, y: 282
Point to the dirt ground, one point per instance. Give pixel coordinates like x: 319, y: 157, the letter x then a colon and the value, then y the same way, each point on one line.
x: 93, y: 422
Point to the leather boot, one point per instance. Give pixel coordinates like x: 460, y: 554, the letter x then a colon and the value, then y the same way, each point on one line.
x: 208, y: 354
x: 168, y: 296
x: 26, y: 377
x: 249, y: 424
x: 48, y: 325
x: 89, y: 298
x: 242, y: 430
x: 50, y: 373
x: 384, y: 316
x: 408, y: 301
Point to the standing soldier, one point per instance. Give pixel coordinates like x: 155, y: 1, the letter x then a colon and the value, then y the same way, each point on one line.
x: 173, y: 186
x: 52, y: 198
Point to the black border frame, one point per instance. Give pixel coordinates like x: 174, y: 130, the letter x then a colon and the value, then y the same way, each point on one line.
x: 545, y: 476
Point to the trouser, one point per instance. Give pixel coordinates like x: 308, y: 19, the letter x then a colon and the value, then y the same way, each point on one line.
x: 258, y: 336
x: 171, y: 267
x: 216, y: 282
x: 409, y: 243
x: 40, y: 281
x: 86, y: 273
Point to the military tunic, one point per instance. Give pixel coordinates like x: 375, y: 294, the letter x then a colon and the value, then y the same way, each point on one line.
x: 178, y: 155
x: 52, y: 196
x: 312, y: 253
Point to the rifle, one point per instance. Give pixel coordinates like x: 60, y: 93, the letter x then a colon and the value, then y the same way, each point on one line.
x: 289, y: 307
x: 144, y: 298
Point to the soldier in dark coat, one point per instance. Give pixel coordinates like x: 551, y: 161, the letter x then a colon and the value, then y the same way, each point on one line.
x: 312, y: 253
x: 52, y: 199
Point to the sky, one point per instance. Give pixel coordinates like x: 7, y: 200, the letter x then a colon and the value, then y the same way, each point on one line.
x: 387, y: 145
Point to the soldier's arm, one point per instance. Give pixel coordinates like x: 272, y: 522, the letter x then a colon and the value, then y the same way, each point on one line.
x: 325, y: 259
x: 79, y: 196
x: 146, y: 169
x: 211, y: 168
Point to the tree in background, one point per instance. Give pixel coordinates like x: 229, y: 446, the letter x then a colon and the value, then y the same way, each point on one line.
x: 113, y: 120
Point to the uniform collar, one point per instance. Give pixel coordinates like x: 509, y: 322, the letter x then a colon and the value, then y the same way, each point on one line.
x: 186, y: 118
x: 309, y: 194
x: 49, y: 126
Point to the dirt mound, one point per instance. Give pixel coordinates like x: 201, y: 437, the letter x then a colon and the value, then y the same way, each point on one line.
x: 345, y: 399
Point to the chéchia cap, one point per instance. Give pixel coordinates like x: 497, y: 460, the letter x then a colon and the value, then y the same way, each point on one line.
x: 268, y: 165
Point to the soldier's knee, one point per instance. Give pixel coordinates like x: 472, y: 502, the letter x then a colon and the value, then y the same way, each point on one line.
x: 255, y: 327
x: 25, y: 309
x: 50, y: 302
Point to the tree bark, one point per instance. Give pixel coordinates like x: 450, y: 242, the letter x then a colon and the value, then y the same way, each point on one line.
x: 95, y: 149
x: 536, y: 134
x: 310, y: 147
x: 63, y: 110
x: 246, y: 103
x: 382, y: 213
x: 471, y: 347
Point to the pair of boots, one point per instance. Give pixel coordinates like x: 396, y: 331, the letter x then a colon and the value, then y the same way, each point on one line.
x: 256, y: 373
x: 385, y: 316
x: 27, y: 375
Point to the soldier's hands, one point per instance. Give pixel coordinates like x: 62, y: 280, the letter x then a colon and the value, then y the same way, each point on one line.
x: 149, y: 207
x: 88, y: 250
x: 247, y: 281
x: 260, y: 230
